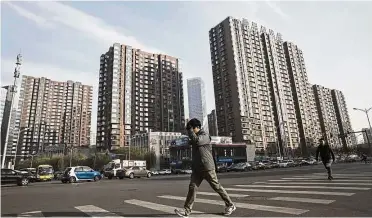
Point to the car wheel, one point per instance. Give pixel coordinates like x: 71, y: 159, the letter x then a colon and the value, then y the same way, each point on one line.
x: 131, y: 176
x: 110, y: 177
x: 96, y: 178
x: 23, y: 182
x: 72, y: 179
x: 148, y: 175
x: 121, y: 177
x: 64, y: 181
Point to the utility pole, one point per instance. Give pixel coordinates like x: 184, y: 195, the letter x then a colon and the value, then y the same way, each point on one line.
x: 13, y: 89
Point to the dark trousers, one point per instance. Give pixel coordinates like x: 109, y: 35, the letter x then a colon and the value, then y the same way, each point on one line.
x: 196, y: 180
x: 328, y: 168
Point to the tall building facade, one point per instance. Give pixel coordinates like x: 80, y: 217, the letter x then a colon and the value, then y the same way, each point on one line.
x: 138, y: 92
x: 196, y: 98
x: 53, y: 113
x: 303, y: 96
x: 212, y: 123
x: 327, y: 115
x: 343, y: 119
x: 253, y: 95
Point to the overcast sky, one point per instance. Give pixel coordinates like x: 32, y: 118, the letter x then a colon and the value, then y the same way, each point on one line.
x: 64, y: 41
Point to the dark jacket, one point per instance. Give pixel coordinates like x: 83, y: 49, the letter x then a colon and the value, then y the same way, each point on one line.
x: 325, y: 153
x: 202, y: 158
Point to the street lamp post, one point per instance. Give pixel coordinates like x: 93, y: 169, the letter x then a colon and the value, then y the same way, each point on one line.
x: 369, y: 122
x: 13, y: 90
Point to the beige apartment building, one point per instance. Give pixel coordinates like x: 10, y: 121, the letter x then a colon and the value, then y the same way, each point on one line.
x: 138, y: 92
x: 53, y: 113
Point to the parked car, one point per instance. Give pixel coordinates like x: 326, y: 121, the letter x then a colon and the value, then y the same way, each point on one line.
x: 9, y: 176
x: 241, y: 167
x: 58, y: 175
x: 165, y: 172
x: 80, y: 173
x: 221, y: 168
x: 132, y: 172
x: 31, y: 176
x: 154, y: 172
x: 176, y: 171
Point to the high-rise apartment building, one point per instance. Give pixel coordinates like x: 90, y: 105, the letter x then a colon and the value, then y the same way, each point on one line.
x: 196, y: 98
x: 138, y: 92
x: 53, y: 113
x: 212, y: 123
x: 252, y: 86
x: 303, y: 96
x: 327, y: 115
x: 343, y: 119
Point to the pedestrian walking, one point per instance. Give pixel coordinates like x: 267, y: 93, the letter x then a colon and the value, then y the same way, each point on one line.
x: 203, y: 167
x: 326, y: 153
x: 364, y: 158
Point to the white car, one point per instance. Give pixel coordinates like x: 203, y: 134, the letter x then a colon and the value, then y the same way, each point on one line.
x: 165, y: 172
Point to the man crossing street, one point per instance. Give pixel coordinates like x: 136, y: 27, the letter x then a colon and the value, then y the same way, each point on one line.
x: 203, y: 167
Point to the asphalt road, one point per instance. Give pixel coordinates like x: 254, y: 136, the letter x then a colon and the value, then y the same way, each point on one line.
x: 302, y: 191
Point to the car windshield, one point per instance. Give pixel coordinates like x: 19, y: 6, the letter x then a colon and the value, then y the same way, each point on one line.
x: 45, y: 170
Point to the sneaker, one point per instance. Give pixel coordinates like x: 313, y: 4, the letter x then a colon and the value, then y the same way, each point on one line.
x: 330, y: 177
x: 181, y: 213
x: 229, y: 210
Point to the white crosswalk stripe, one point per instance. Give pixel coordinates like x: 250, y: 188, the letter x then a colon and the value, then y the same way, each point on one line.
x: 94, y: 211
x: 319, y: 180
x: 215, y: 194
x: 325, y: 178
x: 303, y: 200
x: 299, y: 187
x: 285, y: 210
x: 163, y: 208
x: 32, y: 214
x: 291, y: 192
x: 346, y: 174
x: 291, y: 182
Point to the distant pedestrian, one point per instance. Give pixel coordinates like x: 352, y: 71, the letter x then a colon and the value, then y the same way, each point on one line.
x: 203, y: 167
x: 364, y: 158
x: 325, y: 154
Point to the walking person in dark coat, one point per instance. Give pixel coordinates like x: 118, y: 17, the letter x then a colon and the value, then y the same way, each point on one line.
x: 325, y: 154
x: 203, y: 167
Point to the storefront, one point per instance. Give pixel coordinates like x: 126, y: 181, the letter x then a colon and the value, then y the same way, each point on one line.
x: 229, y: 153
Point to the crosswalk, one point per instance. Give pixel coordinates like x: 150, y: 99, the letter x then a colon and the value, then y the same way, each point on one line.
x: 295, y: 194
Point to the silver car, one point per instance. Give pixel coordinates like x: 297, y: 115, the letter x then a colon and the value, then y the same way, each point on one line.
x: 132, y: 172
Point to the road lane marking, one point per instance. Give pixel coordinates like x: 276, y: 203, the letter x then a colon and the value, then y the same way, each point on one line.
x: 291, y: 192
x: 342, y: 179
x: 286, y: 210
x: 32, y: 214
x: 299, y: 187
x: 163, y: 208
x: 309, y: 182
x: 303, y: 200
x: 215, y: 194
x: 94, y: 211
